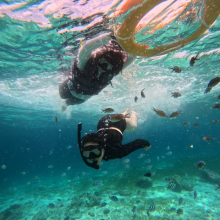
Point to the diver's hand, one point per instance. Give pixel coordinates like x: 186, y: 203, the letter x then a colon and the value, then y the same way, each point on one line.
x: 147, y: 147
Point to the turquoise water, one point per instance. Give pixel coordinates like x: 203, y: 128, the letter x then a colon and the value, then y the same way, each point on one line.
x: 42, y: 175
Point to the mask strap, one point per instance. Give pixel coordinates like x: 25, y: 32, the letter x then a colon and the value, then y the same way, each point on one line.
x: 100, y: 158
x: 94, y: 164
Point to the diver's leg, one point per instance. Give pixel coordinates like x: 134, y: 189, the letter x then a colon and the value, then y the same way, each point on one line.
x: 131, y: 123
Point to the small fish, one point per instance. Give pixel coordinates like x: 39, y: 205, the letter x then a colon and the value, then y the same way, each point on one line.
x: 119, y: 175
x: 212, y: 175
x: 196, y: 125
x: 206, y: 138
x: 171, y: 185
x: 142, y: 93
x: 68, y: 168
x: 50, y: 167
x: 118, y: 117
x: 108, y: 110
x: 68, y: 147
x: 185, y: 123
x: 134, y: 209
x: 169, y: 153
x: 167, y: 148
x: 191, y: 146
x: 215, y: 121
x: 217, y: 187
x: 218, y: 96
x: 172, y: 209
x: 147, y: 174
x: 56, y: 119
x: 23, y: 173
x: 97, y: 183
x: 150, y: 167
x: 195, y: 194
x: 176, y: 69
x: 126, y: 160
x: 114, y: 198
x: 212, y: 83
x: 147, y: 161
x: 141, y: 155
x: 175, y: 94
x: 104, y: 172
x: 103, y: 204
x: 135, y: 98
x: 179, y: 212
x: 168, y: 179
x: 84, y: 174
x: 153, y: 173
x: 180, y: 200
x: 175, y: 114
x: 160, y: 113
x: 151, y: 208
x: 63, y: 174
x: 3, y: 167
x: 216, y: 105
x: 193, y: 60
x: 200, y: 164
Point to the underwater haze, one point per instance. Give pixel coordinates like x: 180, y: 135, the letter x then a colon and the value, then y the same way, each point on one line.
x: 42, y: 175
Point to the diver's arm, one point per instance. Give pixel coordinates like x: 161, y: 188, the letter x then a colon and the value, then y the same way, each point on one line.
x: 90, y: 45
x: 133, y: 146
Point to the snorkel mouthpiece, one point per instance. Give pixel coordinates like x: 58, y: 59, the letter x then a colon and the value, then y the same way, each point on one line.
x: 94, y: 164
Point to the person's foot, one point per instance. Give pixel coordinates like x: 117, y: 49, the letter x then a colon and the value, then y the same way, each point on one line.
x: 133, y: 112
x: 147, y: 148
x: 63, y: 108
x: 126, y: 111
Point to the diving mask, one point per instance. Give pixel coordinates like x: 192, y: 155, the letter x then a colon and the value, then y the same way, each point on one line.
x: 90, y: 153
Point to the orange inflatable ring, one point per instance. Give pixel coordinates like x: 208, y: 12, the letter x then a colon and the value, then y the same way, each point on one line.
x: 125, y: 34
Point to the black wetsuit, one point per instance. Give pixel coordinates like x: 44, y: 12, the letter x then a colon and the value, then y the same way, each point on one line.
x: 113, y: 138
x: 98, y: 72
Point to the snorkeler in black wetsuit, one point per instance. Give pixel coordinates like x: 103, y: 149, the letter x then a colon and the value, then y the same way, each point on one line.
x: 98, y: 61
x: 106, y: 144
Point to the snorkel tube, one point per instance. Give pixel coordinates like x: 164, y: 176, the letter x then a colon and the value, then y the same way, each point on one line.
x: 94, y: 164
x: 125, y: 34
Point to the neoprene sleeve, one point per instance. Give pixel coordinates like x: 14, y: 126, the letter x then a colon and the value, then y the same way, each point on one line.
x: 124, y: 150
x: 132, y: 146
